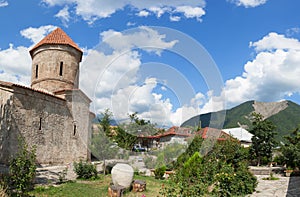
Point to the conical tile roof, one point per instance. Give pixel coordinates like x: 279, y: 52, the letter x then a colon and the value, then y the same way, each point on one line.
x: 58, y: 36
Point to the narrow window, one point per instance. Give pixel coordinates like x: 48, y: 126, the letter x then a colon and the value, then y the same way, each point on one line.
x: 40, y: 126
x: 36, y: 71
x: 74, y: 130
x: 61, y: 68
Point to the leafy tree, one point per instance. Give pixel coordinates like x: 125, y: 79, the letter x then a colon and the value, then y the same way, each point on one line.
x: 263, y: 140
x: 22, y: 169
x: 103, y: 147
x: 291, y: 150
x: 105, y: 121
x: 139, y: 126
x: 194, y: 146
x: 125, y: 140
x: 134, y: 118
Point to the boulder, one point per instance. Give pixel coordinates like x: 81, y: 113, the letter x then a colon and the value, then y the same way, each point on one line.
x: 122, y: 174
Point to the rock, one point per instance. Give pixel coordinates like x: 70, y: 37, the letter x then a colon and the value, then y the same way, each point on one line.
x: 122, y: 174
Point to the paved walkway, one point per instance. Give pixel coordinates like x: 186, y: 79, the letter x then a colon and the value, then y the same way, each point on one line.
x: 284, y: 187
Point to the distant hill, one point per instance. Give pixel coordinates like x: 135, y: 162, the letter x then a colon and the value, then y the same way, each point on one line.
x: 285, y: 115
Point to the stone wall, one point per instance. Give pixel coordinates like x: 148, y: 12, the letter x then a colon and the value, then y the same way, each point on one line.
x: 46, y: 63
x: 45, y: 121
x: 6, y: 121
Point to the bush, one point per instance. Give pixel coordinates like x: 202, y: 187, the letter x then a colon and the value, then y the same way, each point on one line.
x: 22, y: 170
x: 85, y: 170
x: 222, y: 172
x: 159, y: 172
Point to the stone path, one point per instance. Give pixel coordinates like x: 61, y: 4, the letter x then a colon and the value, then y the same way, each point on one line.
x: 284, y: 187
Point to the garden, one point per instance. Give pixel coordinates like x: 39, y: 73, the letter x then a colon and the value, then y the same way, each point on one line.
x: 218, y: 168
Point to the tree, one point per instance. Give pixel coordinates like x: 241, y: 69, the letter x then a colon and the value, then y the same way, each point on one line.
x: 105, y: 121
x: 263, y: 140
x: 291, y: 150
x: 139, y: 126
x: 102, y: 146
x: 125, y: 140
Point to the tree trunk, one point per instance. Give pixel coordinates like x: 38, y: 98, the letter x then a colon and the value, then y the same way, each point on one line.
x: 104, y: 167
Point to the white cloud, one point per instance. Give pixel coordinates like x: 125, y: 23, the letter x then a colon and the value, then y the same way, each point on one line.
x: 146, y: 38
x: 15, y: 62
x: 175, y: 18
x: 130, y: 24
x: 111, y: 79
x: 274, y: 41
x: 272, y: 75
x: 143, y: 13
x: 191, y: 12
x: 91, y: 10
x: 3, y: 3
x: 64, y: 15
x: 248, y: 3
x: 37, y: 34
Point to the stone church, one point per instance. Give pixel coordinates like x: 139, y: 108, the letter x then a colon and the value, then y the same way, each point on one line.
x: 53, y: 114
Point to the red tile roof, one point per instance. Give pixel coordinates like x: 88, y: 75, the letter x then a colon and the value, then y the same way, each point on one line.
x: 58, y: 36
x: 209, y: 132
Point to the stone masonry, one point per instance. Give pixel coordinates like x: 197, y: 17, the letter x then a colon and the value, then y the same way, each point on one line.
x: 53, y: 114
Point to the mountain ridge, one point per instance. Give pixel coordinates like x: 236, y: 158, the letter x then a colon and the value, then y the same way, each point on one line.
x: 285, y: 115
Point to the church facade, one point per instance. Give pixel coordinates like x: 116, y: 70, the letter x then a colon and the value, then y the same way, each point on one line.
x: 53, y: 114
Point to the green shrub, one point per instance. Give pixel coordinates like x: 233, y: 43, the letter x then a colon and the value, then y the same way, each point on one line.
x: 85, y: 170
x: 222, y: 172
x: 22, y: 170
x: 159, y: 172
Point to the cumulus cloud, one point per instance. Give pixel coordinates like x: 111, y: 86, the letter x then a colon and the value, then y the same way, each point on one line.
x: 111, y: 78
x: 146, y: 38
x: 191, y: 12
x: 248, y: 3
x: 143, y: 13
x: 272, y: 75
x: 91, y: 10
x: 37, y: 34
x: 15, y: 61
x: 15, y: 65
x: 274, y: 41
x: 3, y: 3
x: 175, y: 18
x: 64, y: 15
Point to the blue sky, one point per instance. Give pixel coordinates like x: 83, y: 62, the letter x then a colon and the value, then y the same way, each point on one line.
x: 166, y: 60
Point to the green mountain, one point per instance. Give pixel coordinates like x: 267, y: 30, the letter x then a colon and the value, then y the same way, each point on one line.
x: 285, y: 115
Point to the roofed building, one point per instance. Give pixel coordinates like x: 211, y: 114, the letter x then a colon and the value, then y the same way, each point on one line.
x: 52, y: 114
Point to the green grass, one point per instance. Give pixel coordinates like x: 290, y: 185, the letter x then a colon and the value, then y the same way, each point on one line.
x: 271, y: 178
x: 97, y: 188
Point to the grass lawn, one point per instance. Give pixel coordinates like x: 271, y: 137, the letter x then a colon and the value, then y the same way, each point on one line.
x: 99, y: 188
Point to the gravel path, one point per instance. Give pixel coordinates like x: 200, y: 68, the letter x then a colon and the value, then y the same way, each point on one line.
x: 284, y: 187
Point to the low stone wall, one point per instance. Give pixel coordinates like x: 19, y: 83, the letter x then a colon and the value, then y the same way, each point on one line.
x: 256, y: 170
